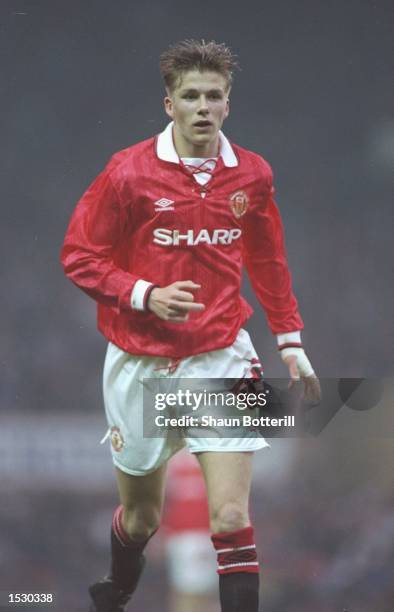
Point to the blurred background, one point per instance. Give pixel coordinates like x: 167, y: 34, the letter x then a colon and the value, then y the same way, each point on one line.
x: 314, y: 97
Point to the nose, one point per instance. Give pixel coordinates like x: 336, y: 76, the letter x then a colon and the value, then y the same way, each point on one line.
x: 203, y: 105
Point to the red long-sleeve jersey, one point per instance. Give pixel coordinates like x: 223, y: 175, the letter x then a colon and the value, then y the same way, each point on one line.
x: 145, y: 217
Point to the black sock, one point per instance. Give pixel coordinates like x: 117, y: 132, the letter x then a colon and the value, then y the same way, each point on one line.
x: 238, y: 570
x: 127, y: 560
x: 127, y: 563
x: 239, y: 592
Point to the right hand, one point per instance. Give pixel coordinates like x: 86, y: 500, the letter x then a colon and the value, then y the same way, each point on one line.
x: 174, y: 302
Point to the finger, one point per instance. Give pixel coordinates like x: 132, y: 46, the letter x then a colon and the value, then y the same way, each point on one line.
x: 180, y: 307
x: 187, y: 285
x: 184, y: 296
x: 177, y: 318
x: 312, y: 390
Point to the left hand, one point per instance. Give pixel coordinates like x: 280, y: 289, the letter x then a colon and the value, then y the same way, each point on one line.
x: 300, y: 368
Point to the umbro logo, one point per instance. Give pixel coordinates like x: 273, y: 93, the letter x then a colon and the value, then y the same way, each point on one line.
x: 164, y: 204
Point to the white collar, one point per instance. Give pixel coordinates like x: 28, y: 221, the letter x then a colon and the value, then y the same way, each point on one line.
x: 166, y: 150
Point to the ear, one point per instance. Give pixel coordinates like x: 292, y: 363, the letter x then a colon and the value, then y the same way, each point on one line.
x: 168, y: 107
x: 227, y: 111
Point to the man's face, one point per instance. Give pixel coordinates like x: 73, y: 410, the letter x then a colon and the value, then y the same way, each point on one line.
x: 198, y: 105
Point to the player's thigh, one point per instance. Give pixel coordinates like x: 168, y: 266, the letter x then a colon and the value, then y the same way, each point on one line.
x: 228, y: 477
x: 142, y: 492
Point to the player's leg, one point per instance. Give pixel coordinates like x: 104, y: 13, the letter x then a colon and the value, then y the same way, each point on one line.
x: 228, y: 479
x: 140, y: 470
x: 134, y: 522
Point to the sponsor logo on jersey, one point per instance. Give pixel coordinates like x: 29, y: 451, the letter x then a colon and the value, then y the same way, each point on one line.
x: 164, y: 204
x: 239, y: 202
x: 167, y: 237
x: 117, y: 439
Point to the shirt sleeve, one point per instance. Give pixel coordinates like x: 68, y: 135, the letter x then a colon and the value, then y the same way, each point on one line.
x: 266, y: 264
x: 91, y: 242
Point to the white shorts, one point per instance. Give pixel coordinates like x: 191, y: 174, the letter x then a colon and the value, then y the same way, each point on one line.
x: 191, y: 562
x: 123, y: 398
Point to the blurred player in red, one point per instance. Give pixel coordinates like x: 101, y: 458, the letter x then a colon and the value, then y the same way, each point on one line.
x: 159, y: 240
x: 189, y: 554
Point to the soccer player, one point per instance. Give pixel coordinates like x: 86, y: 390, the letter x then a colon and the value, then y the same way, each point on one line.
x: 159, y: 240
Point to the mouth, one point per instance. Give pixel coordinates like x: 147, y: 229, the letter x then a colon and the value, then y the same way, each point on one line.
x: 202, y: 124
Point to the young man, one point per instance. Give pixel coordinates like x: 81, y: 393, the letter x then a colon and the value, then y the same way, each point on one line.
x: 158, y: 240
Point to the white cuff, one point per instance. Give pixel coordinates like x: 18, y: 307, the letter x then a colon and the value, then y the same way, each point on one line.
x: 138, y: 294
x: 289, y: 337
x: 303, y: 363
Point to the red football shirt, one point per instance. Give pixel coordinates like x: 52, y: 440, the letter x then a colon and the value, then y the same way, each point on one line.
x: 145, y: 217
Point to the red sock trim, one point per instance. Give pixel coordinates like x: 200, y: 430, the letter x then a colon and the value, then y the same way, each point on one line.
x: 121, y: 534
x: 118, y: 527
x: 236, y: 551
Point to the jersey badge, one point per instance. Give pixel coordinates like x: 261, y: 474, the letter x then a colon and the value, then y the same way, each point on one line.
x: 164, y: 204
x: 239, y: 202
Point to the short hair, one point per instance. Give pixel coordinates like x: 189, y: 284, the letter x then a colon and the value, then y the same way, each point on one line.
x: 193, y: 54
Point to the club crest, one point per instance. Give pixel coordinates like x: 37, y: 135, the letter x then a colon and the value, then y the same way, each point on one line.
x: 117, y: 440
x: 239, y: 202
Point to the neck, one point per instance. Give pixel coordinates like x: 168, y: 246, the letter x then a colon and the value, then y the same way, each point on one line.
x: 184, y: 148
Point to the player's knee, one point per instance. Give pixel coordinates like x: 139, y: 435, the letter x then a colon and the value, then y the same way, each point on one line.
x: 140, y: 524
x: 230, y: 516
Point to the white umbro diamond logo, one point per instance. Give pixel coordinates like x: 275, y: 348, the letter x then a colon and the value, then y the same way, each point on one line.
x: 164, y: 204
